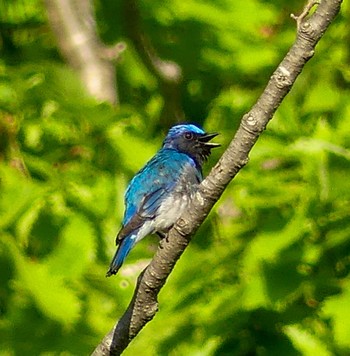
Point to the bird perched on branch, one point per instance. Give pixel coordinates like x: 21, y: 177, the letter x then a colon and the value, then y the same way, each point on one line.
x: 161, y: 191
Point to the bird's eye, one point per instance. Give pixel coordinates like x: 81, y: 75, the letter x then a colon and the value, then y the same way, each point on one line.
x: 188, y: 135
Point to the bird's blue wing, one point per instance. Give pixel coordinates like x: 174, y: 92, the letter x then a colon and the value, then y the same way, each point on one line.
x: 152, y: 201
x: 151, y: 186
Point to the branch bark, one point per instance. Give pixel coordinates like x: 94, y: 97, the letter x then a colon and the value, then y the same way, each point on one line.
x: 74, y: 26
x: 144, y: 303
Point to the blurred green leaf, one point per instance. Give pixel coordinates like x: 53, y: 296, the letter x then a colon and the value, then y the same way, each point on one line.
x: 136, y: 154
x: 321, y: 98
x: 50, y: 293
x: 75, y: 250
x: 336, y: 308
x: 16, y: 195
x: 305, y: 342
x: 48, y: 290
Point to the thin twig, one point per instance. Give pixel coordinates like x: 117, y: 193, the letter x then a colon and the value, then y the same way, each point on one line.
x: 113, y: 53
x: 307, y: 8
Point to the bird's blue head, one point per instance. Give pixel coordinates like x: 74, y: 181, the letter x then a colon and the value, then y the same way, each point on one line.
x: 192, y: 140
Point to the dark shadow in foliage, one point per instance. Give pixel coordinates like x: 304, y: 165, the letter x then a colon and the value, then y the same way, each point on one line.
x: 45, y: 234
x: 258, y: 335
x: 282, y: 277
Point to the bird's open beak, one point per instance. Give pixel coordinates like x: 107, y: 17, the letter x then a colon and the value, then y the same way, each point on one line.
x: 206, y: 138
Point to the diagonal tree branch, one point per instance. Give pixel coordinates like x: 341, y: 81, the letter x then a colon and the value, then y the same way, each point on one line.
x: 144, y: 303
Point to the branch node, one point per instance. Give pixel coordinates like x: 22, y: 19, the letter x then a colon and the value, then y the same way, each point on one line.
x: 182, y: 228
x: 300, y: 19
x: 282, y: 77
x: 250, y: 124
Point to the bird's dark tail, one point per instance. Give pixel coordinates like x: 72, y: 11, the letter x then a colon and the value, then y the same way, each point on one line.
x: 123, y: 249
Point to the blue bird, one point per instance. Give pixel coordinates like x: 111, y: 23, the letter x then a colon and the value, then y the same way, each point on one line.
x: 160, y: 192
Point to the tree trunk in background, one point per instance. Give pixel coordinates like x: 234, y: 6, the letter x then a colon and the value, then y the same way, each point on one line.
x: 74, y: 26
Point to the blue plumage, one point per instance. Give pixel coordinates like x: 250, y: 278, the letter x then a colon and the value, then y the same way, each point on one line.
x: 160, y: 192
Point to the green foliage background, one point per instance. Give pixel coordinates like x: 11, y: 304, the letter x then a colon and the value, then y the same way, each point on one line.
x: 268, y: 272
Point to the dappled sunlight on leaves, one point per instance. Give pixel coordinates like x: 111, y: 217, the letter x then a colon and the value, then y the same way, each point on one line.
x: 265, y: 274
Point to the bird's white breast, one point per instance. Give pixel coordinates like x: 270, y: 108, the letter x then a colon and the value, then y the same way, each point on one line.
x: 167, y: 215
x: 170, y: 211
